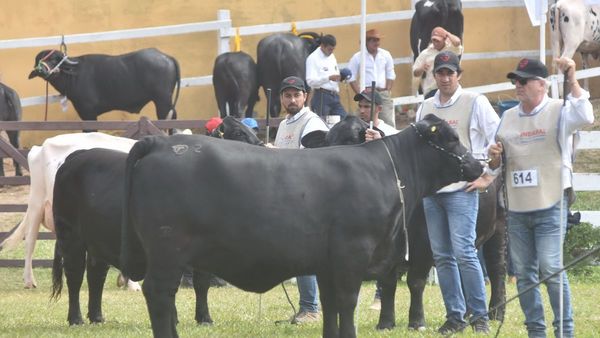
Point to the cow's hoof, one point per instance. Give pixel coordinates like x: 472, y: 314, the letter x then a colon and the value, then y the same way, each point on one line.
x: 76, y: 321
x: 385, y: 326
x: 97, y: 320
x: 205, y: 321
x: 416, y: 327
x: 497, y: 315
x: 121, y: 281
x: 30, y: 286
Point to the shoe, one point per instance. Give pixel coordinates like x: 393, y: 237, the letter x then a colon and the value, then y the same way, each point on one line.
x: 376, y: 305
x: 481, y: 325
x: 303, y: 317
x: 451, y: 327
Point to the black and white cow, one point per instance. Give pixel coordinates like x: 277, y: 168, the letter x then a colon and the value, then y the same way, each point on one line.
x: 430, y: 14
x: 10, y: 110
x: 98, y: 83
x: 183, y: 220
x: 235, y: 82
x: 87, y: 202
x: 281, y: 55
x: 575, y: 27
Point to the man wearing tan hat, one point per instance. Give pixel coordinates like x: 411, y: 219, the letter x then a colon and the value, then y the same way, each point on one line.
x: 379, y: 67
x: 441, y: 40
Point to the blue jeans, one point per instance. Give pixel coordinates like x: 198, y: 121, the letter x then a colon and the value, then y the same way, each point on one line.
x: 307, y: 288
x: 325, y: 103
x: 535, y: 243
x: 451, y: 220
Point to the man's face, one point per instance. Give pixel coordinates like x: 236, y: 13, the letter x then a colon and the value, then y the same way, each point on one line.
x: 292, y: 100
x: 364, y: 110
x: 447, y: 81
x: 327, y: 49
x: 372, y: 44
x: 529, y: 91
x: 438, y: 43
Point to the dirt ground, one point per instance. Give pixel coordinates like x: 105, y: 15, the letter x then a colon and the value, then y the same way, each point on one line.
x: 587, y: 161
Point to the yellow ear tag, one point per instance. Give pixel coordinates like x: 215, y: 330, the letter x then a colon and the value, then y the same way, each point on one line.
x: 433, y: 129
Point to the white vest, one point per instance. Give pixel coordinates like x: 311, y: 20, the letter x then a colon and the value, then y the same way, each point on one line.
x: 289, y: 133
x: 458, y: 116
x: 533, y: 157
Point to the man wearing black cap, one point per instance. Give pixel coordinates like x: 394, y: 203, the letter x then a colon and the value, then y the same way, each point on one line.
x: 536, y: 138
x: 451, y: 213
x: 299, y: 121
x: 364, y: 110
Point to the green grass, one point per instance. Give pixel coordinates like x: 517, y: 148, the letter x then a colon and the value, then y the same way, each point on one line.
x: 29, y: 313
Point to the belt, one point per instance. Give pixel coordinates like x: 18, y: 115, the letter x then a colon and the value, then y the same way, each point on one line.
x: 332, y: 92
x: 381, y: 89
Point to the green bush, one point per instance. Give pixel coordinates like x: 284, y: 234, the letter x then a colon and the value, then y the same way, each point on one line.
x: 581, y: 239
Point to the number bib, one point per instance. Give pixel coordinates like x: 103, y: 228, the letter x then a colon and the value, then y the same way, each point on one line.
x: 524, y: 178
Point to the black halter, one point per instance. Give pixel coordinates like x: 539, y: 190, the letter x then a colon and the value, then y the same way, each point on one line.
x: 461, y: 159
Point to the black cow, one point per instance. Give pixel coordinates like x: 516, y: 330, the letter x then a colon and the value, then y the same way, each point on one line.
x: 236, y: 84
x: 97, y: 83
x: 87, y: 204
x: 433, y: 13
x: 182, y: 221
x: 490, y: 230
x: 281, y: 55
x: 10, y: 110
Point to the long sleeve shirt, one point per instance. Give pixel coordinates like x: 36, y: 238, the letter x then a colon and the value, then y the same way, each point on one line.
x: 318, y: 69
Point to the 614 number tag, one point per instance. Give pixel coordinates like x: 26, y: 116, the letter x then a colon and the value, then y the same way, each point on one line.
x: 524, y: 178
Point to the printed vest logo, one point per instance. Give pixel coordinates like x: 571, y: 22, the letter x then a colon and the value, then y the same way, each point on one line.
x: 536, y: 135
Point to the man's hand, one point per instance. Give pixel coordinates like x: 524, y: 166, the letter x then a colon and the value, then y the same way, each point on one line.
x: 481, y: 183
x: 495, y: 152
x: 371, y: 135
x: 335, y: 77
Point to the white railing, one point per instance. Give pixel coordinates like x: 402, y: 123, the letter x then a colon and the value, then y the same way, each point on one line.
x: 582, y: 182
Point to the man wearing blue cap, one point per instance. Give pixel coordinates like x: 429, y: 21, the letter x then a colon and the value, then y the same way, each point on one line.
x: 251, y: 123
x: 299, y: 121
x: 451, y: 214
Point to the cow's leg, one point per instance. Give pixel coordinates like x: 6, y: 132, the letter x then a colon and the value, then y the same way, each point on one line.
x: 494, y: 253
x: 160, y: 286
x: 74, y: 264
x: 416, y: 280
x: 201, y: 285
x: 30, y: 239
x: 328, y: 306
x: 585, y: 62
x: 13, y: 137
x: 346, y: 291
x: 387, y: 315
x: 96, y: 276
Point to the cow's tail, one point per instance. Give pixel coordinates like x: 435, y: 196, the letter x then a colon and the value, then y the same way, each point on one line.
x: 133, y: 262
x: 172, y: 115
x: 57, y: 272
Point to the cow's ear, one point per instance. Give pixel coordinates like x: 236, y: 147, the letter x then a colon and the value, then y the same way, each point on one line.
x: 314, y: 139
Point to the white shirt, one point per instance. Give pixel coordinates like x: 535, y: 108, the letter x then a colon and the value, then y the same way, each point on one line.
x: 318, y: 69
x: 312, y: 124
x: 386, y: 128
x: 427, y: 57
x: 577, y: 113
x: 379, y: 68
x: 483, y: 125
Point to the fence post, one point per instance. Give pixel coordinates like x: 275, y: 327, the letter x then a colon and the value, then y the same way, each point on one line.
x: 223, y: 39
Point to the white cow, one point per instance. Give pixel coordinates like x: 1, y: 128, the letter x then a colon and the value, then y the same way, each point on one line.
x: 44, y: 162
x: 575, y: 27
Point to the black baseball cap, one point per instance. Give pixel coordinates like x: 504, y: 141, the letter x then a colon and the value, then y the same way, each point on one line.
x: 528, y: 69
x: 446, y: 59
x: 366, y: 95
x: 292, y: 82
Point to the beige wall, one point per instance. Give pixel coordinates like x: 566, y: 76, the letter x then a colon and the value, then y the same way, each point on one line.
x: 485, y: 30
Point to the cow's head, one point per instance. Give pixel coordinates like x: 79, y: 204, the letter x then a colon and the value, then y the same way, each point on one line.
x: 444, y: 139
x: 311, y: 41
x: 48, y: 63
x: 232, y: 129
x: 350, y: 130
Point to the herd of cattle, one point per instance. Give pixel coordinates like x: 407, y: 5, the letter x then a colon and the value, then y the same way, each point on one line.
x: 168, y: 218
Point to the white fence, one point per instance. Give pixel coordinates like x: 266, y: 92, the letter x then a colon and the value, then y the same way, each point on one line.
x: 223, y: 25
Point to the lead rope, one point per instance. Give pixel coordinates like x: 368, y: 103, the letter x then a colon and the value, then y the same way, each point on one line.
x: 400, y: 187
